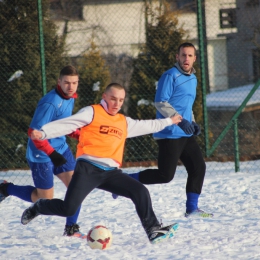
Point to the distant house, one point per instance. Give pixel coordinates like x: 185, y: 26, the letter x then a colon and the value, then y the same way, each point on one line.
x: 118, y: 27
x: 232, y: 38
x: 231, y: 99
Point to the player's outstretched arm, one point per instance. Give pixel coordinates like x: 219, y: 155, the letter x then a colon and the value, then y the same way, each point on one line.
x: 150, y: 126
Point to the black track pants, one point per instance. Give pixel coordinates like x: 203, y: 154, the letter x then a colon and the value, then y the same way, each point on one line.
x: 87, y: 177
x: 170, y: 151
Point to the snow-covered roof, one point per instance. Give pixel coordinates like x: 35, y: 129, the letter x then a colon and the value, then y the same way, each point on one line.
x: 232, y: 98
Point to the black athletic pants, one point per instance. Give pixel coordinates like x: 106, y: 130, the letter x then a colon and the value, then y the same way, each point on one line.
x: 170, y: 151
x: 87, y: 177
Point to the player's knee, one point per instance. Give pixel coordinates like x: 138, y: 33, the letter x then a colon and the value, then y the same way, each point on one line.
x: 42, y: 194
x: 47, y: 196
x: 142, y: 191
x: 202, y: 169
x: 69, y: 211
x: 165, y: 175
x: 166, y: 178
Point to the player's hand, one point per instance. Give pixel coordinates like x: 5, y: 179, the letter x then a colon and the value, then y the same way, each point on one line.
x: 197, y: 130
x: 176, y: 119
x: 36, y: 135
x: 57, y: 158
x: 187, y: 127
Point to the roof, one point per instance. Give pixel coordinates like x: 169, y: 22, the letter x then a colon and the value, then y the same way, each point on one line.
x: 232, y: 98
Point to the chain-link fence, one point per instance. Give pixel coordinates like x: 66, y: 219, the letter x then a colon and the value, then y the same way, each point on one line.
x: 133, y: 43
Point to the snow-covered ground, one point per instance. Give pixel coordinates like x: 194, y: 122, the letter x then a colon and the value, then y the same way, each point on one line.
x: 233, y: 233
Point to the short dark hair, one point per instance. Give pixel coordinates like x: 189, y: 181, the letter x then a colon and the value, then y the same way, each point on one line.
x: 68, y: 70
x: 115, y: 85
x: 186, y: 44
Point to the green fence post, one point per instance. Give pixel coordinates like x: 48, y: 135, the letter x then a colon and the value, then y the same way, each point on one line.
x: 235, y: 116
x: 236, y: 146
x: 203, y: 73
x: 41, y: 47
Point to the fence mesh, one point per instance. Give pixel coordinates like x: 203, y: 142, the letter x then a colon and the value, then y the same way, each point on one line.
x: 132, y: 43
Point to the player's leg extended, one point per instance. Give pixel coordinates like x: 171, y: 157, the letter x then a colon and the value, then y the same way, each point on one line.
x: 168, y: 156
x: 84, y: 180
x: 42, y: 194
x: 124, y: 185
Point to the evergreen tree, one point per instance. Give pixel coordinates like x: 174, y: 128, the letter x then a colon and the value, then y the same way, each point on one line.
x: 94, y: 77
x: 197, y: 107
x: 164, y: 35
x: 20, y: 50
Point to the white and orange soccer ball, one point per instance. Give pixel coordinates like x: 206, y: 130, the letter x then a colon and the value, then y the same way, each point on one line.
x: 99, y: 237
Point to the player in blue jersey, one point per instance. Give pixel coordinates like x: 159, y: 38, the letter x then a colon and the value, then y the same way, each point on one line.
x: 52, y: 157
x: 175, y: 95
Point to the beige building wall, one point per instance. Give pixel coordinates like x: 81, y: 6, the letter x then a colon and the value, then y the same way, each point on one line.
x: 114, y: 27
x: 120, y: 28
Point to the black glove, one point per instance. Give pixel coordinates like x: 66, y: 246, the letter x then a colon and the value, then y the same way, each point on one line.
x: 57, y: 159
x: 197, y: 130
x: 186, y: 126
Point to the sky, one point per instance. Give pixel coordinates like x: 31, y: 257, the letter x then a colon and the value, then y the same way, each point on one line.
x: 233, y: 232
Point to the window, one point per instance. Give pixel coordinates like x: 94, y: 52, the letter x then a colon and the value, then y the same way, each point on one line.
x: 66, y: 10
x: 252, y: 3
x: 256, y: 64
x: 184, y: 5
x: 228, y: 18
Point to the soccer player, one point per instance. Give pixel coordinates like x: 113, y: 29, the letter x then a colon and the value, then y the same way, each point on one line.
x: 99, y: 156
x: 175, y: 95
x: 51, y: 157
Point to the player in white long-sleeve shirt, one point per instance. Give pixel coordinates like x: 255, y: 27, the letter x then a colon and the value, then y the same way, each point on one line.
x: 99, y: 156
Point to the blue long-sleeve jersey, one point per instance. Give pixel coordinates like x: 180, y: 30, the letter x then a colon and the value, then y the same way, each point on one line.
x: 179, y: 90
x: 51, y: 107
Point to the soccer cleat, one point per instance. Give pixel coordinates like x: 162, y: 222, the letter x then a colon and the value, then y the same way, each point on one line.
x: 73, y: 231
x: 160, y: 234
x: 30, y: 213
x: 3, y: 189
x: 198, y: 213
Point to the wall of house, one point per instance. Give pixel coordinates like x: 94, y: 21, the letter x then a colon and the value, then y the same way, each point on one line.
x: 217, y: 62
x: 119, y: 27
x: 240, y: 45
x: 116, y: 27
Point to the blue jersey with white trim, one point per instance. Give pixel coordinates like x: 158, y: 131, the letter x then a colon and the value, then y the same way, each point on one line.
x: 179, y: 90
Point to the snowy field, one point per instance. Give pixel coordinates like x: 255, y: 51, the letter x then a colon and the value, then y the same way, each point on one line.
x: 233, y: 233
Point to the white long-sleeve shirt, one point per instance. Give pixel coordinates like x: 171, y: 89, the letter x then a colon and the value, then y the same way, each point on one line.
x: 84, y: 117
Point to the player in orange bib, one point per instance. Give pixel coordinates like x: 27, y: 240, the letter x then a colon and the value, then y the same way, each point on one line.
x: 99, y: 156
